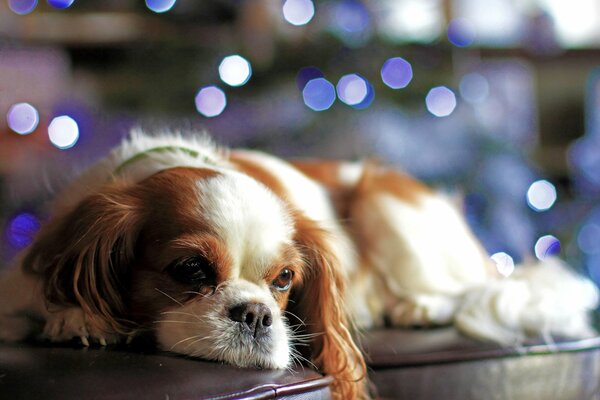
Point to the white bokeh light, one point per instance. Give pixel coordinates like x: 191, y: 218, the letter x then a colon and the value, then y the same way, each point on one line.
x: 22, y: 118
x: 352, y: 89
x: 298, y: 12
x: 63, y: 132
x: 541, y: 195
x: 235, y: 70
x: 504, y: 263
x: 440, y: 101
x: 547, y: 246
x: 210, y: 101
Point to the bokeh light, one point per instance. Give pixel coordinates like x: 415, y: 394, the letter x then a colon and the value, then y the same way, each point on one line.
x: 547, y: 246
x: 63, y: 132
x: 61, y: 4
x: 541, y: 195
x: 21, y: 229
x: 588, y: 238
x: 319, y: 94
x: 160, y: 6
x: 352, y: 89
x: 440, y: 101
x: 366, y: 102
x: 351, y: 16
x: 210, y: 101
x: 307, y: 74
x: 22, y: 7
x: 22, y: 118
x: 461, y: 32
x: 474, y: 88
x: 504, y: 263
x: 298, y: 12
x: 396, y: 73
x: 235, y: 70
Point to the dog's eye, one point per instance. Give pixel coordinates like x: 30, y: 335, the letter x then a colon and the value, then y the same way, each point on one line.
x: 194, y: 270
x: 283, y: 280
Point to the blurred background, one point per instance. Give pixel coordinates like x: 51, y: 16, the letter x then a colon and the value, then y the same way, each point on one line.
x: 496, y: 102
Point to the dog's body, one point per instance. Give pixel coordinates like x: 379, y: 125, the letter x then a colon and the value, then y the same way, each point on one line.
x: 237, y: 256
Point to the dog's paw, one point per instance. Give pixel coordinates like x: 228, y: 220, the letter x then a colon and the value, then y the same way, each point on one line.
x: 69, y: 323
x: 423, y: 311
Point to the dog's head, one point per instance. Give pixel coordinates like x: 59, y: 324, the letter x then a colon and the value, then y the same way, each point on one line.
x: 212, y: 262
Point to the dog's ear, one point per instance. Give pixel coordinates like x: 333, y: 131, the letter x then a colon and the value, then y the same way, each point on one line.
x: 319, y: 304
x: 84, y: 255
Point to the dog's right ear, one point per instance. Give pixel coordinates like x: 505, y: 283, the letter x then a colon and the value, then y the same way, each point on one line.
x: 85, y: 254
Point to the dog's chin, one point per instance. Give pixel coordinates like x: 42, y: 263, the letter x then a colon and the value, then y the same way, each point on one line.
x: 230, y: 345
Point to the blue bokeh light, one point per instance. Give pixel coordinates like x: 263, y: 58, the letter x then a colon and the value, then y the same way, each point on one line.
x: 61, y: 4
x: 22, y: 118
x: 396, y: 73
x: 351, y: 16
x: 21, y: 229
x: 160, y: 6
x: 307, y: 74
x: 366, y: 102
x: 210, y: 101
x: 22, y: 7
x: 461, y: 32
x: 474, y: 88
x: 319, y: 94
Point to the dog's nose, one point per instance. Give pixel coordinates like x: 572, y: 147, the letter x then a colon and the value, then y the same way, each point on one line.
x: 256, y: 317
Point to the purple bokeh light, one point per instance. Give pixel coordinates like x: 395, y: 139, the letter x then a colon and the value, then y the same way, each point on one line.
x: 461, y: 32
x: 319, y: 94
x: 21, y: 229
x: 160, y: 6
x: 307, y: 74
x: 352, y: 89
x: 22, y: 118
x: 61, y: 4
x: 440, y: 101
x: 22, y: 7
x: 396, y: 73
x: 210, y: 101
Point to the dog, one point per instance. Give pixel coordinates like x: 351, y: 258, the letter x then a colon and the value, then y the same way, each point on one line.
x: 241, y: 257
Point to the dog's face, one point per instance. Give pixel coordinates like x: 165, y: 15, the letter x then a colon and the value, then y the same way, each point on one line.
x: 214, y: 267
x: 212, y: 262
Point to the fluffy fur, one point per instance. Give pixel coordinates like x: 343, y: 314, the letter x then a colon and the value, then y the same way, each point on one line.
x: 241, y: 257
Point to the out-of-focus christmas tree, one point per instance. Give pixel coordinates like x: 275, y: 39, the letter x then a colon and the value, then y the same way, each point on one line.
x: 481, y: 99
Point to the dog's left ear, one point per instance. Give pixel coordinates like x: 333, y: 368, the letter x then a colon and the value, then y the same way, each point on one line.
x: 84, y: 255
x: 319, y: 304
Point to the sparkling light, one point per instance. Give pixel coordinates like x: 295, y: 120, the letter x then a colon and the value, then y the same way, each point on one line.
x: 210, y: 101
x: 21, y: 229
x: 396, y: 73
x: 547, y: 246
x: 541, y: 195
x: 62, y: 4
x: 461, y: 32
x: 588, y: 238
x: 504, y: 263
x: 352, y: 89
x: 319, y: 94
x: 22, y: 7
x: 298, y: 12
x: 22, y: 118
x: 160, y: 6
x: 63, y: 132
x: 440, y: 101
x: 235, y: 70
x: 474, y: 88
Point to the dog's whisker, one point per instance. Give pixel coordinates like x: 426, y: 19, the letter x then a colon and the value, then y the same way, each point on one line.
x: 169, y: 296
x: 185, y: 340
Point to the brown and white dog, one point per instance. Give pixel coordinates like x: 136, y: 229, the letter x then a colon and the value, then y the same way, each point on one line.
x: 241, y: 257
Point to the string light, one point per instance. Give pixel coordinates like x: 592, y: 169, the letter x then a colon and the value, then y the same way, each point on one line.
x: 298, y: 12
x: 541, y: 195
x: 63, y: 132
x: 396, y: 73
x: 22, y: 118
x: 160, y: 6
x: 319, y: 94
x: 440, y: 101
x: 210, y: 101
x: 235, y: 70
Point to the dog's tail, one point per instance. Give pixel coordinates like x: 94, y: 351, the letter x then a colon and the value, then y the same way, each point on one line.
x: 539, y: 300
